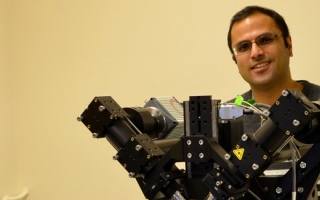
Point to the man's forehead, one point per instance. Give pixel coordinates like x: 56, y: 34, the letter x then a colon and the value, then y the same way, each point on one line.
x: 252, y: 26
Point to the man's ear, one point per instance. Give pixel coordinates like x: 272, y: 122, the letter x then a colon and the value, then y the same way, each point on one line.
x: 289, y: 41
x: 234, y: 59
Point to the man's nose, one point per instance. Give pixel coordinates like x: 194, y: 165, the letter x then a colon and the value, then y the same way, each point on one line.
x: 256, y: 51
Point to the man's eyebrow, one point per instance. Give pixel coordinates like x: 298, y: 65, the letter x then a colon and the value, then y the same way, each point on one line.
x: 255, y: 38
x: 242, y: 41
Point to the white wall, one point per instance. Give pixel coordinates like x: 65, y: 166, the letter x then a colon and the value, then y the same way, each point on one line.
x: 8, y: 166
x: 65, y: 52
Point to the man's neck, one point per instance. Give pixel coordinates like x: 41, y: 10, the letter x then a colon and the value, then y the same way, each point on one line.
x: 268, y: 95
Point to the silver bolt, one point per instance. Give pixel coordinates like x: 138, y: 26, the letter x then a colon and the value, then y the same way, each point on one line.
x: 244, y: 137
x: 95, y: 135
x: 218, y: 183
x: 189, y: 155
x: 300, y: 189
x: 189, y: 142
x: 217, y: 174
x: 229, y: 186
x: 303, y: 165
x: 115, y: 157
x: 285, y: 93
x: 296, y: 122
x: 224, y: 121
x: 154, y: 186
x: 80, y: 118
x: 255, y: 166
x: 101, y: 108
x: 132, y: 175
x: 138, y: 147
x: 227, y: 156
x: 266, y: 112
x: 200, y: 142
x: 201, y: 155
x: 231, y: 198
x: 278, y: 190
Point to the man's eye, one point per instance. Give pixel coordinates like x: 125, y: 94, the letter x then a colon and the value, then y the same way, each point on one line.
x: 265, y: 40
x: 244, y: 46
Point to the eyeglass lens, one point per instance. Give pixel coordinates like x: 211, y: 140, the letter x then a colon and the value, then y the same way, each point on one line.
x: 261, y: 41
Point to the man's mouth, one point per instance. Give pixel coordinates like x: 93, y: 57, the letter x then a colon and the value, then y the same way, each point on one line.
x: 261, y: 65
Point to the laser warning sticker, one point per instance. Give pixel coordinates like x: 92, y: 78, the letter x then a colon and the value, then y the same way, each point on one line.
x: 239, y: 153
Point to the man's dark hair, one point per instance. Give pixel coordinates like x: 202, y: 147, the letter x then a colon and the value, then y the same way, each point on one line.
x: 249, y: 10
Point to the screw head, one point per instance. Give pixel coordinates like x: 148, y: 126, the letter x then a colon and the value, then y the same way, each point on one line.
x: 101, y: 108
x: 244, y: 137
x: 227, y: 156
x: 189, y: 155
x: 255, y: 166
x: 224, y: 121
x: 138, y: 147
x: 95, y: 135
x: 218, y: 183
x: 201, y: 155
x: 285, y: 93
x: 278, y: 190
x: 296, y: 122
x: 132, y: 175
x: 300, y: 189
x: 266, y: 112
x: 303, y: 165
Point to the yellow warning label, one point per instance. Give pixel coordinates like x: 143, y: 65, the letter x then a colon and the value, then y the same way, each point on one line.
x: 239, y: 153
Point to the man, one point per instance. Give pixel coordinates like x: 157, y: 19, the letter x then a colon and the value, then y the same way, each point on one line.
x: 264, y: 65
x: 261, y: 46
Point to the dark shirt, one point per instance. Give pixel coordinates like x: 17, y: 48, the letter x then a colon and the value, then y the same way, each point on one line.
x: 251, y: 123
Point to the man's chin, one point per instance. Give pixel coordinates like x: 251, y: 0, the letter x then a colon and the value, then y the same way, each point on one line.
x: 261, y: 83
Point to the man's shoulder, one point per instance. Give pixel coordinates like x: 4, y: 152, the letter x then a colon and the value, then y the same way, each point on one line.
x: 311, y: 90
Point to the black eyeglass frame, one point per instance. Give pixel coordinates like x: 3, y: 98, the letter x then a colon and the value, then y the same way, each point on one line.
x: 257, y: 41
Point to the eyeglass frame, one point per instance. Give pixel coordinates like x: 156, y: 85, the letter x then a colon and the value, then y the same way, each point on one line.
x: 255, y: 41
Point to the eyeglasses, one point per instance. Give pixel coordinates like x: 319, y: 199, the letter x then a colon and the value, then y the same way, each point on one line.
x: 262, y: 41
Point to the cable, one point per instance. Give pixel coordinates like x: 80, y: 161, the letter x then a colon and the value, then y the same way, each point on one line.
x: 294, y: 170
x: 251, y: 109
x: 254, y: 195
x: 296, y: 149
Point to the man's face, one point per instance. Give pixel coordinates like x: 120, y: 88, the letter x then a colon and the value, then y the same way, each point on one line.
x: 262, y: 66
